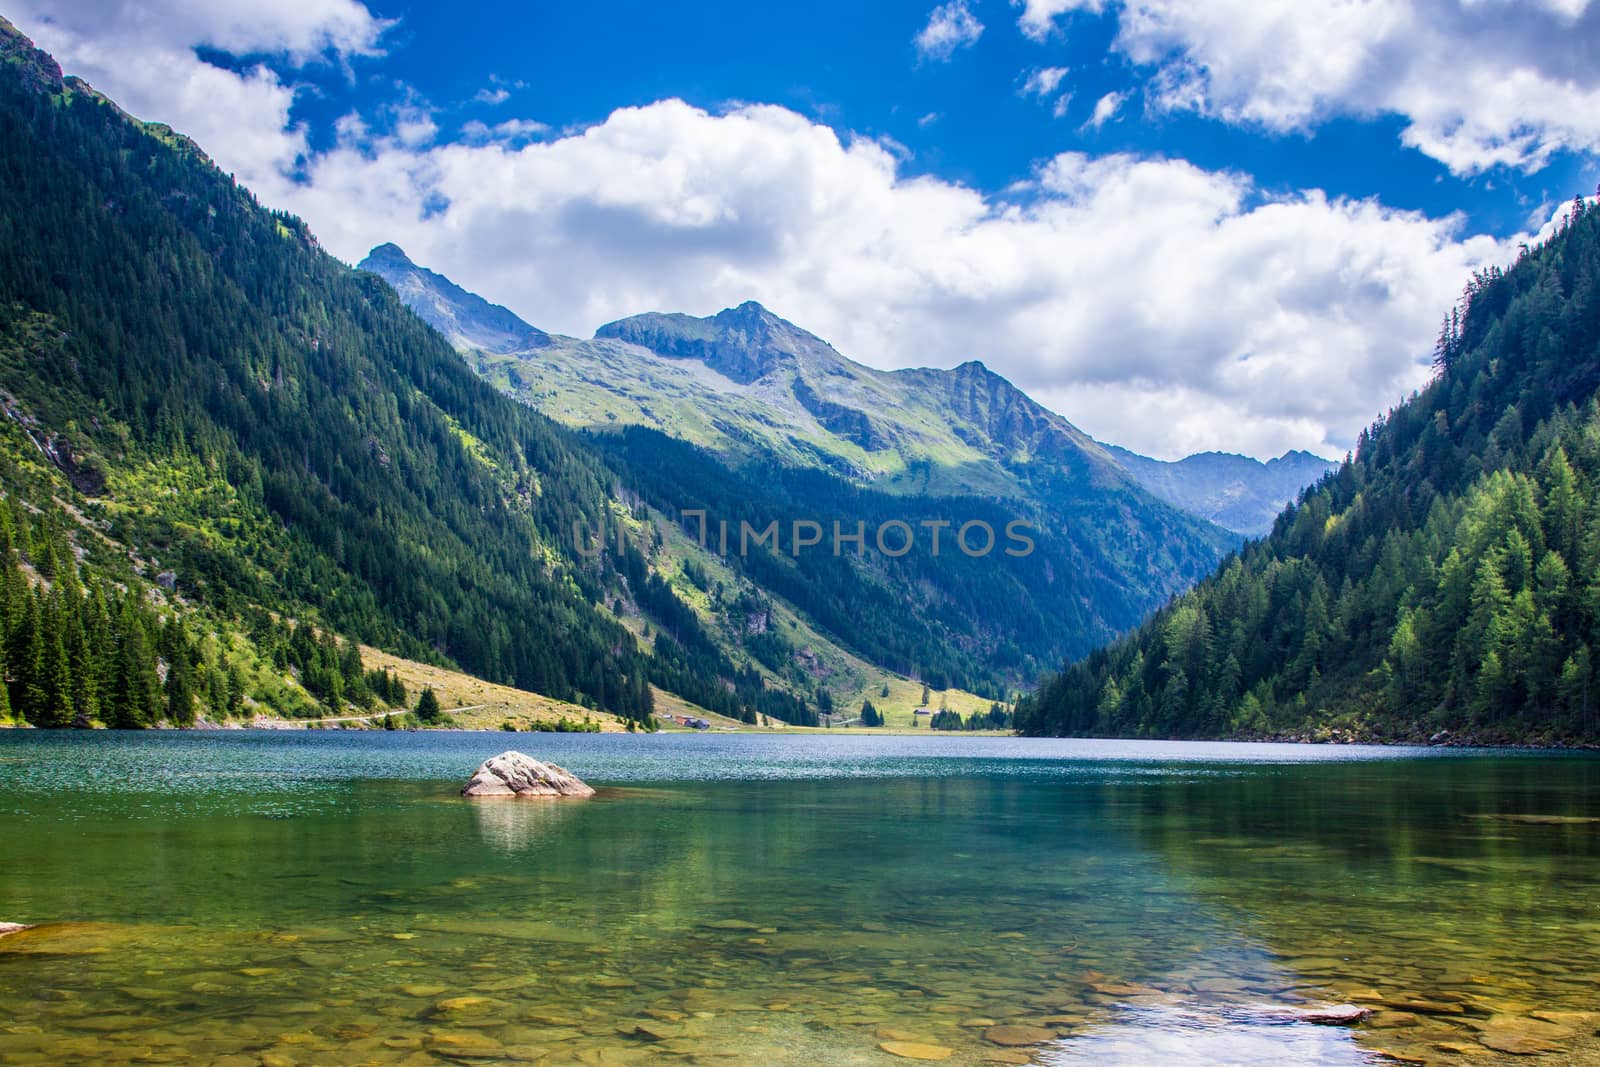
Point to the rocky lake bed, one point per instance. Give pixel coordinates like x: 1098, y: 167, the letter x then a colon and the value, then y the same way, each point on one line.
x: 250, y: 899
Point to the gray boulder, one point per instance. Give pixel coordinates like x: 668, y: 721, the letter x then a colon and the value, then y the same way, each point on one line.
x: 512, y: 774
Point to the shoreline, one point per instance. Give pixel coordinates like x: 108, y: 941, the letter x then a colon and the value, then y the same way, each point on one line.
x: 1464, y: 742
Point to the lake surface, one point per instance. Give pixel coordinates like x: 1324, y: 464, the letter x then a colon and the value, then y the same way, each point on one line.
x: 297, y: 898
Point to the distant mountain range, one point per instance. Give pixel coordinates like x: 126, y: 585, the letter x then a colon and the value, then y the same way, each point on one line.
x: 1238, y: 492
x: 746, y: 383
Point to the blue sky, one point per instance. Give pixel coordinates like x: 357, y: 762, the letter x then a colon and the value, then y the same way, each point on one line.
x: 1185, y: 224
x: 856, y: 68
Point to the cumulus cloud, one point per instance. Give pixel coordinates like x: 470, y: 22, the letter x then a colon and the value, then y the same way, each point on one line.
x: 950, y: 27
x: 145, y: 56
x: 1479, y: 83
x: 1159, y: 305
x: 492, y: 95
x: 509, y: 131
x: 1043, y: 81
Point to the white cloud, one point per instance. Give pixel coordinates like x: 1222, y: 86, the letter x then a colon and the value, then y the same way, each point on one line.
x: 951, y: 26
x: 1042, y: 81
x: 492, y: 96
x: 509, y: 131
x: 1045, y: 83
x: 1159, y: 305
x: 1105, y: 109
x: 414, y: 126
x: 1480, y: 83
x: 929, y: 119
x: 1038, y: 18
x: 143, y: 54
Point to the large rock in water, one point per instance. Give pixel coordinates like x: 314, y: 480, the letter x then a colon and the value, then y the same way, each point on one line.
x: 512, y: 774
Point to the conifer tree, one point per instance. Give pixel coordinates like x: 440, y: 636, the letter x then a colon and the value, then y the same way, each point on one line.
x: 180, y: 681
x: 428, y: 710
x: 54, y: 684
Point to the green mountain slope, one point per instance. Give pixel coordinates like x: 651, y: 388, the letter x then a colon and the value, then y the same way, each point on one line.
x: 763, y: 395
x: 1445, y: 581
x: 745, y: 382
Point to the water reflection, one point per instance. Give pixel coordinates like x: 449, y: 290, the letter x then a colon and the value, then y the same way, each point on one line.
x: 1175, y: 1034
x: 519, y: 825
x: 1456, y: 900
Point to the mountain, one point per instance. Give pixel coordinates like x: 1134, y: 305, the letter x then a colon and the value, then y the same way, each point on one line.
x: 1239, y: 493
x: 1444, y: 583
x: 745, y: 382
x: 228, y: 460
x: 761, y: 393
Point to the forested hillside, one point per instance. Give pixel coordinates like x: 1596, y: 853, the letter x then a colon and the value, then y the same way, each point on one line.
x: 273, y: 427
x: 982, y: 624
x: 1447, y: 580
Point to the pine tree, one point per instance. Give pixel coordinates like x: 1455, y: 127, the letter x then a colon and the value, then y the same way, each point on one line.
x: 180, y: 682
x: 54, y: 683
x: 135, y: 699
x: 428, y: 710
x: 5, y: 689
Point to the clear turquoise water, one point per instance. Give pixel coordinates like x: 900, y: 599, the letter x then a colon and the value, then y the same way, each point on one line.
x: 242, y: 897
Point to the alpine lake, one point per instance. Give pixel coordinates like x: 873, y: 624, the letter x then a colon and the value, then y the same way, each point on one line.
x: 322, y: 897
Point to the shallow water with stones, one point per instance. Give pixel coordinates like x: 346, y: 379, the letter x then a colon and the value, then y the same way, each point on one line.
x: 273, y: 898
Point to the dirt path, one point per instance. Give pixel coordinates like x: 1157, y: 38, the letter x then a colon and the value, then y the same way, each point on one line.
x: 283, y: 724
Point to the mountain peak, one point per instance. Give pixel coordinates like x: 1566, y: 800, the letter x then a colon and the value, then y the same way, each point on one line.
x: 751, y: 315
x: 388, y: 252
x: 744, y: 343
x: 36, y: 68
x: 468, y: 320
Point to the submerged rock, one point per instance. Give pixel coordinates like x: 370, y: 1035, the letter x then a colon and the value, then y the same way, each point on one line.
x: 916, y: 1050
x: 1016, y: 1036
x: 1319, y: 1014
x: 512, y: 774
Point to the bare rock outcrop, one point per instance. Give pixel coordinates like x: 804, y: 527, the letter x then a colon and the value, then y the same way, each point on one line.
x: 512, y: 774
